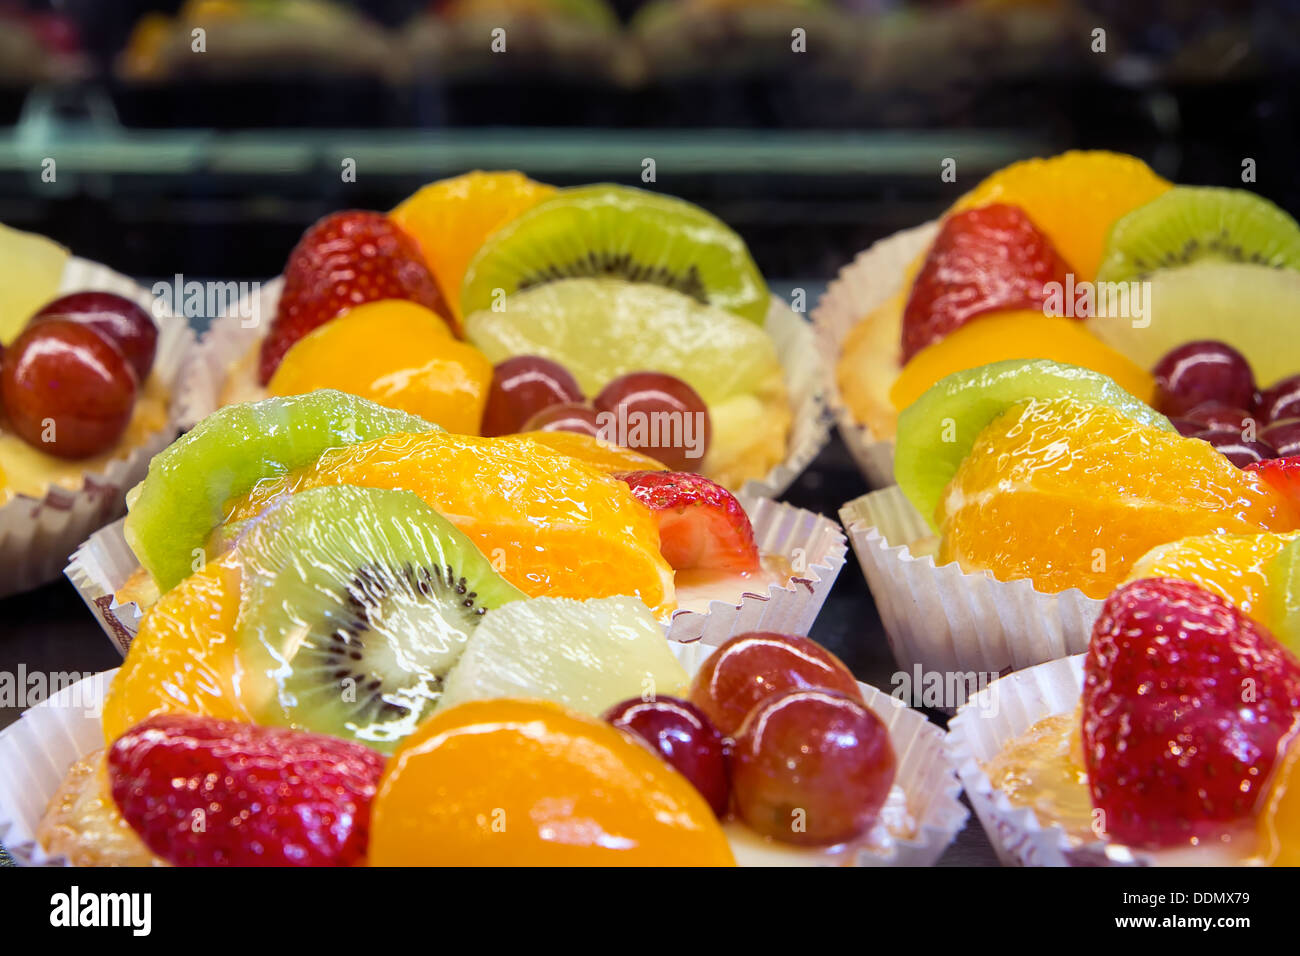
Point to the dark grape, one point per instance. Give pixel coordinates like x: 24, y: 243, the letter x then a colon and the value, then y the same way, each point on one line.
x: 660, y: 416
x: 1280, y: 401
x: 1283, y: 436
x: 811, y: 767
x: 565, y: 417
x: 1203, y: 372
x: 122, y: 321
x: 680, y: 733
x: 522, y: 386
x: 67, y: 390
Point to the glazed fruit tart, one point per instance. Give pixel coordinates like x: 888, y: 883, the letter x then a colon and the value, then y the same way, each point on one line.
x: 1027, y: 491
x: 491, y: 304
x: 1087, y: 258
x: 1170, y: 741
x: 408, y: 668
x: 88, y: 361
x: 555, y: 513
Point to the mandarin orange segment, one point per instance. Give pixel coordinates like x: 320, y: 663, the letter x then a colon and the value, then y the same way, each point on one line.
x: 1233, y: 566
x: 1278, y: 824
x: 1018, y: 335
x: 549, y: 525
x: 528, y: 783
x: 451, y: 218
x: 1071, y: 495
x: 394, y: 353
x: 182, y: 660
x: 601, y: 456
x: 1075, y: 198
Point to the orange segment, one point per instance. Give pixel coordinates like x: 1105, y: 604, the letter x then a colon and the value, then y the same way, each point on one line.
x: 394, y: 353
x: 1075, y: 198
x: 1018, y: 335
x: 601, y: 456
x: 1071, y: 495
x: 182, y: 659
x: 1278, y: 824
x: 548, y: 524
x: 1233, y: 566
x: 528, y: 783
x: 451, y: 218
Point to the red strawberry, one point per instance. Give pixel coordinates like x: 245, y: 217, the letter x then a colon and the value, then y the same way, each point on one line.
x: 701, y: 524
x: 983, y: 260
x: 1282, y: 473
x: 344, y: 260
x: 1184, y: 702
x: 205, y: 792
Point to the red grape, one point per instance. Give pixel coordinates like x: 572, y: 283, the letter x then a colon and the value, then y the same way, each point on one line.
x: 121, y: 321
x: 1280, y: 401
x: 1203, y: 372
x: 751, y: 667
x: 679, y: 732
x: 522, y: 386
x: 565, y: 417
x: 1216, y: 416
x: 811, y: 767
x: 1283, y: 436
x: 1233, y: 447
x: 67, y: 390
x: 660, y: 416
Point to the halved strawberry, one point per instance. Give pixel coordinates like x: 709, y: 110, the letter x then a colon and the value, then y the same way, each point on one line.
x: 346, y: 259
x: 1185, y: 701
x: 983, y: 260
x: 701, y: 524
x: 1282, y: 473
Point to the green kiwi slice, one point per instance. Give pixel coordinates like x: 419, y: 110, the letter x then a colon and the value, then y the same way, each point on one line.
x: 182, y: 498
x: 356, y: 603
x: 1189, y: 224
x: 607, y: 231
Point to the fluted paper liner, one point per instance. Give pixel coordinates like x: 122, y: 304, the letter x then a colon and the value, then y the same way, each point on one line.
x: 38, y: 534
x: 862, y: 286
x: 232, y: 335
x: 945, y: 619
x: 37, y: 750
x: 814, y: 546
x: 983, y: 726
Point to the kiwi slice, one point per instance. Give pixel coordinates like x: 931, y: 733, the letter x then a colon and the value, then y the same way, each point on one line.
x: 617, y: 232
x: 1188, y: 224
x: 182, y: 498
x: 356, y: 603
x: 938, y: 430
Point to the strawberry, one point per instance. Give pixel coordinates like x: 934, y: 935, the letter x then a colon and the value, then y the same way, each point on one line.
x: 1185, y: 699
x: 206, y: 792
x: 701, y: 524
x: 983, y: 260
x: 1282, y: 473
x: 344, y: 260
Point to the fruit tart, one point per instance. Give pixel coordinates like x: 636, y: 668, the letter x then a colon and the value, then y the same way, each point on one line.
x: 1087, y: 258
x: 1172, y: 739
x: 402, y: 669
x: 1027, y: 491
x: 557, y: 514
x: 86, y: 372
x: 490, y: 304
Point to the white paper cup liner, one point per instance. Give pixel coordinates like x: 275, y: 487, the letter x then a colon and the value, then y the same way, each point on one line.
x: 864, y: 284
x: 983, y: 726
x: 946, y: 620
x: 38, y: 534
x: 814, y: 546
x: 37, y: 750
x: 231, y: 336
